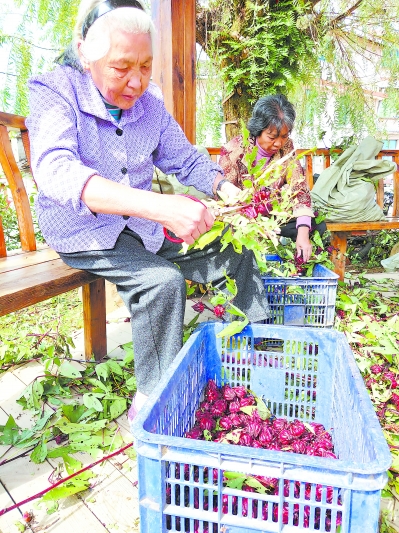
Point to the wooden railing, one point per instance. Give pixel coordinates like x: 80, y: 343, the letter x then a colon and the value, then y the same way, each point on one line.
x: 326, y: 154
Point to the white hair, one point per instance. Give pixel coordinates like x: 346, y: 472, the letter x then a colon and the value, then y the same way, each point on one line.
x: 97, y: 41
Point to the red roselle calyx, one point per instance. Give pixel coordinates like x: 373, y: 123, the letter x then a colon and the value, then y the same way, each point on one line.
x: 228, y: 393
x: 207, y: 422
x: 234, y: 406
x: 218, y: 408
x: 199, y: 307
x: 195, y: 433
x: 219, y: 311
x: 222, y: 415
x: 249, y: 400
x: 240, y: 391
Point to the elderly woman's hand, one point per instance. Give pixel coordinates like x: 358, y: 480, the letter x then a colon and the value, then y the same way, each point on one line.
x: 303, y: 244
x: 186, y: 218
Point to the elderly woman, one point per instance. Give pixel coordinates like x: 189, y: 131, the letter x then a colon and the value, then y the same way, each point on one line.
x: 270, y: 126
x: 97, y: 126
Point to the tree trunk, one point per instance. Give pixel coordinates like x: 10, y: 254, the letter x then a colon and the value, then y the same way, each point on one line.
x: 236, y: 109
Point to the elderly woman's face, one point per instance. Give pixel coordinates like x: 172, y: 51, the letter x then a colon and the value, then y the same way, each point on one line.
x: 124, y: 73
x: 271, y: 141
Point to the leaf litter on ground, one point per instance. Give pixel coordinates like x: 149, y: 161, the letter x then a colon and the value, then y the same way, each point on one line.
x: 75, y: 411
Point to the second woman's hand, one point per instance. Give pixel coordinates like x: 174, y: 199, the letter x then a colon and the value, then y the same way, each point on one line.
x: 303, y: 244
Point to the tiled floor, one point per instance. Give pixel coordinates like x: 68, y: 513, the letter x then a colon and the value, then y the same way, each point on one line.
x: 111, y: 505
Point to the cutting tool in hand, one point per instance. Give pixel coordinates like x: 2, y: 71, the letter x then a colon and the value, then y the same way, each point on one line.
x: 216, y: 212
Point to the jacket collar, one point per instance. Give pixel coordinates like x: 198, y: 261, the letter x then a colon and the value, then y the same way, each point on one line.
x: 89, y: 101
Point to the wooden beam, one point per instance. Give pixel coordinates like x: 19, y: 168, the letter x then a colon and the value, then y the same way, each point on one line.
x: 175, y: 59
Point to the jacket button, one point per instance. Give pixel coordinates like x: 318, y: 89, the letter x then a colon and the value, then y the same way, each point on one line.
x: 124, y: 170
x: 125, y: 217
x: 119, y: 132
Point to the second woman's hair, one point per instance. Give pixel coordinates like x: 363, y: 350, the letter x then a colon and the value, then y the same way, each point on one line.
x: 272, y: 111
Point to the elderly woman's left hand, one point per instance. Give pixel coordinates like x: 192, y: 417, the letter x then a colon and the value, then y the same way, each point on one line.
x: 303, y: 244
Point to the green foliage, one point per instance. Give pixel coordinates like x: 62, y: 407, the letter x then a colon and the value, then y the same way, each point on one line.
x: 38, y: 331
x: 84, y: 402
x: 383, y: 242
x: 368, y: 314
x: 223, y: 299
x: 42, y: 32
x: 241, y: 229
x: 289, y: 47
x: 209, y: 105
x: 259, y: 48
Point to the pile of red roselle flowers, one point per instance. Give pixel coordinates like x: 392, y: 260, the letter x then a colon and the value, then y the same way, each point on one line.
x: 233, y: 415
x: 383, y: 378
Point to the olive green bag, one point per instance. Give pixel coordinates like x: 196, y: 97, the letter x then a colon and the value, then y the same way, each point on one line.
x: 346, y: 191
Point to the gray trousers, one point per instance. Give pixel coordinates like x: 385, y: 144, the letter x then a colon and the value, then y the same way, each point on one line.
x: 153, y: 288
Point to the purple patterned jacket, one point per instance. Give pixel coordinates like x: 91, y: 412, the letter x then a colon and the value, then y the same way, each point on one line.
x: 73, y: 137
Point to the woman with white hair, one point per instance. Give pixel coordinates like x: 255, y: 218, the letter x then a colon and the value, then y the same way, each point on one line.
x: 97, y: 126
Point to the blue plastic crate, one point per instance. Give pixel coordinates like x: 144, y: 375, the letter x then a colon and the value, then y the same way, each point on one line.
x: 302, y: 301
x: 303, y: 373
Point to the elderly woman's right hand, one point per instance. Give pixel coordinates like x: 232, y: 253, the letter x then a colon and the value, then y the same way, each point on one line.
x: 185, y: 218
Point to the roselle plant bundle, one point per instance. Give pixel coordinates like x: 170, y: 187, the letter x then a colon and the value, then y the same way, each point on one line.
x: 265, y: 208
x: 234, y: 415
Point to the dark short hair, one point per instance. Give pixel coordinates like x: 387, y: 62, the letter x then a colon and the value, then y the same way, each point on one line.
x: 273, y: 111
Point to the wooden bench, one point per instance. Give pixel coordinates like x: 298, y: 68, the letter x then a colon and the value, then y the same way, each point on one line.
x: 340, y: 231
x: 32, y: 275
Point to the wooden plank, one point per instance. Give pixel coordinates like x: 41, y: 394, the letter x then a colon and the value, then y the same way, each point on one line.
x: 213, y: 151
x: 12, y: 121
x: 177, y: 61
x: 3, y: 250
x: 390, y: 223
x: 94, y: 319
x: 380, y: 193
x: 327, y: 161
x: 162, y: 72
x: 309, y: 170
x: 38, y: 283
x: 27, y: 259
x: 17, y: 187
x: 380, y: 187
x: 25, y: 142
x: 189, y: 62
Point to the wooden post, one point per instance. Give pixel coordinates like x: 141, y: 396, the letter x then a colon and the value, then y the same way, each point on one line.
x: 94, y: 319
x: 175, y: 59
x: 338, y: 257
